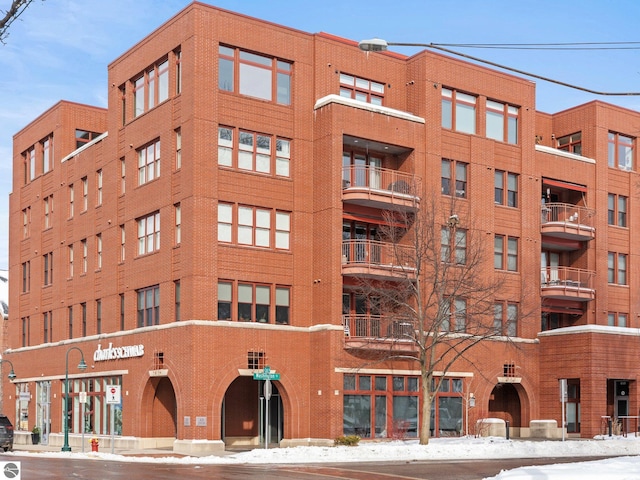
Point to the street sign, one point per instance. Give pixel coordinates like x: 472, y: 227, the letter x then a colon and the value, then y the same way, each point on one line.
x: 267, y: 389
x: 113, y: 394
x: 266, y: 374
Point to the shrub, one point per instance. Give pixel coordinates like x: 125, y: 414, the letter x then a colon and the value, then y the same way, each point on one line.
x: 348, y: 440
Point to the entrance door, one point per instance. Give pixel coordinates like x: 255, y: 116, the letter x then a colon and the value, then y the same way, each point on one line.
x: 621, y: 403
x: 43, y: 410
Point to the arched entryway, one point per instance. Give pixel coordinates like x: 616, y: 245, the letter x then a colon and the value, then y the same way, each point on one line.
x: 504, y: 403
x: 163, y: 408
x: 244, y: 413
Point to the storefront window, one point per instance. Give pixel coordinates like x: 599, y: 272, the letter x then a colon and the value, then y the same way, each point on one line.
x: 94, y: 415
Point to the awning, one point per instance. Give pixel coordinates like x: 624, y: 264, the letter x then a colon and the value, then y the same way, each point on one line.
x: 371, y: 220
x: 555, y: 309
x: 563, y: 184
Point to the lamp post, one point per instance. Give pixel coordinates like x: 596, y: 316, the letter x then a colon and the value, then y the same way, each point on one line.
x: 81, y: 366
x: 12, y: 374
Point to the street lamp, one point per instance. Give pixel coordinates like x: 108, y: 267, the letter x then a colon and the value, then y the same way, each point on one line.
x: 81, y: 366
x: 12, y: 375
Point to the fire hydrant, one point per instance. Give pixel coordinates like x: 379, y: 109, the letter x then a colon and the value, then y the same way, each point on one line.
x: 94, y: 444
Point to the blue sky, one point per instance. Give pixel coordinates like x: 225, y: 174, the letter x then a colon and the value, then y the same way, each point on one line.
x: 60, y: 49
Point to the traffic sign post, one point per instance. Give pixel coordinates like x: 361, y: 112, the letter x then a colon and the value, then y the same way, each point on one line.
x: 266, y: 375
x: 114, y: 397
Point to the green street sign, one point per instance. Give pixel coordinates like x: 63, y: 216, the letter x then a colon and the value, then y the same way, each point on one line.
x: 266, y: 374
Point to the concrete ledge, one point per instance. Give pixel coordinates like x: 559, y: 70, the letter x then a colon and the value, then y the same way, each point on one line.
x: 544, y: 429
x: 491, y: 427
x: 198, y: 447
x: 306, y: 442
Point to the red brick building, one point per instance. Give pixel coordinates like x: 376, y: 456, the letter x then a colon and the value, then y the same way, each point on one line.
x: 223, y: 213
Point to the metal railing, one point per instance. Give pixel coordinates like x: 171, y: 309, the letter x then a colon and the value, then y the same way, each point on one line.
x: 378, y: 326
x: 567, y: 277
x: 567, y: 213
x: 393, y: 182
x: 376, y: 253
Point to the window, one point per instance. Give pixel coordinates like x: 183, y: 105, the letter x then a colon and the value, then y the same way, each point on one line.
x: 148, y: 306
x: 570, y: 143
x: 26, y: 222
x: 505, y: 325
x: 178, y: 149
x: 31, y: 163
x: 71, y: 199
x: 83, y: 308
x: 178, y: 219
x: 502, y: 122
x: 458, y: 111
x: 255, y: 360
x: 176, y: 294
x: 47, y: 274
x: 99, y: 187
x: 151, y: 87
x: 70, y: 321
x: 505, y: 181
x: 225, y: 221
x: 224, y: 300
x: 85, y: 194
x: 46, y: 147
x: 122, y: 311
x: 98, y: 251
x: 459, y: 247
x: 620, y: 152
x: 361, y: 89
x: 283, y: 229
x: 83, y: 137
x: 454, y: 173
x: 282, y: 305
x: 70, y: 255
x: 255, y: 152
x: 26, y: 330
x: 26, y: 276
x: 455, y: 316
x: 149, y: 233
x: 122, y: 243
x: 178, y: 58
x: 123, y: 174
x: 48, y: 211
x: 98, y: 317
x: 84, y: 255
x: 617, y: 210
x: 254, y: 226
x: 47, y: 327
x: 617, y: 268
x: 254, y: 75
x: 615, y: 319
x: 149, y: 162
x: 510, y: 260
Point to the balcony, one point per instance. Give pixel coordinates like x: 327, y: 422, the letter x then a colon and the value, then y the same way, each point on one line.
x: 380, y: 188
x: 566, y: 283
x: 378, y: 332
x: 375, y: 259
x: 567, y: 222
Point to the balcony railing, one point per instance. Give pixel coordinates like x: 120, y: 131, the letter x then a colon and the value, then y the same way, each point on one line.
x: 375, y: 186
x: 567, y: 283
x: 564, y: 220
x: 377, y: 259
x: 378, y: 327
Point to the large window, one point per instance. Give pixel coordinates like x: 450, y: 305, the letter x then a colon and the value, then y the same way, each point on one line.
x: 617, y: 210
x: 453, y: 173
x: 151, y: 87
x: 616, y: 319
x: 506, y: 188
x: 249, y: 302
x: 256, y: 152
x: 458, y: 111
x: 84, y: 136
x: 361, y: 89
x: 255, y: 226
x: 148, y: 307
x: 254, y: 75
x: 149, y: 233
x: 502, y: 122
x: 620, y: 152
x: 97, y: 412
x: 617, y: 268
x: 149, y: 162
x: 453, y: 248
x: 505, y: 253
x: 570, y: 143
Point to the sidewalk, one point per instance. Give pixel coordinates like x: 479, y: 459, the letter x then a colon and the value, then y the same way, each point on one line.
x: 149, y: 452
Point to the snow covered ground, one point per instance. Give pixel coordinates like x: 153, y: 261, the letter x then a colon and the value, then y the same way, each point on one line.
x: 626, y: 467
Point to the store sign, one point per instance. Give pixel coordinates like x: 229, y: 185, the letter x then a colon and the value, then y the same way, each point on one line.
x: 114, y: 353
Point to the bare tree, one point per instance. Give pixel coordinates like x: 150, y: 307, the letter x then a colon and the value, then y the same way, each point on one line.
x: 442, y: 302
x: 15, y: 10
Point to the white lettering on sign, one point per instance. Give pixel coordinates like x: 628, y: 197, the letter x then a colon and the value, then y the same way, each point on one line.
x: 114, y: 353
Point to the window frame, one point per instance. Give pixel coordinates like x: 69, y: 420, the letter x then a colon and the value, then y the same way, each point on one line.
x: 148, y: 238
x: 450, y: 182
x: 453, y: 108
x: 148, y: 315
x: 361, y: 89
x: 617, y: 146
x: 571, y: 143
x: 149, y: 157
x: 506, y: 116
x: 617, y: 209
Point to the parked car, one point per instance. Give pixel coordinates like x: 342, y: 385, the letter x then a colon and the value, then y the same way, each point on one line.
x: 6, y: 433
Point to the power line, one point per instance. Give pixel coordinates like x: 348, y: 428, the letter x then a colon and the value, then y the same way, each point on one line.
x: 548, y: 46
